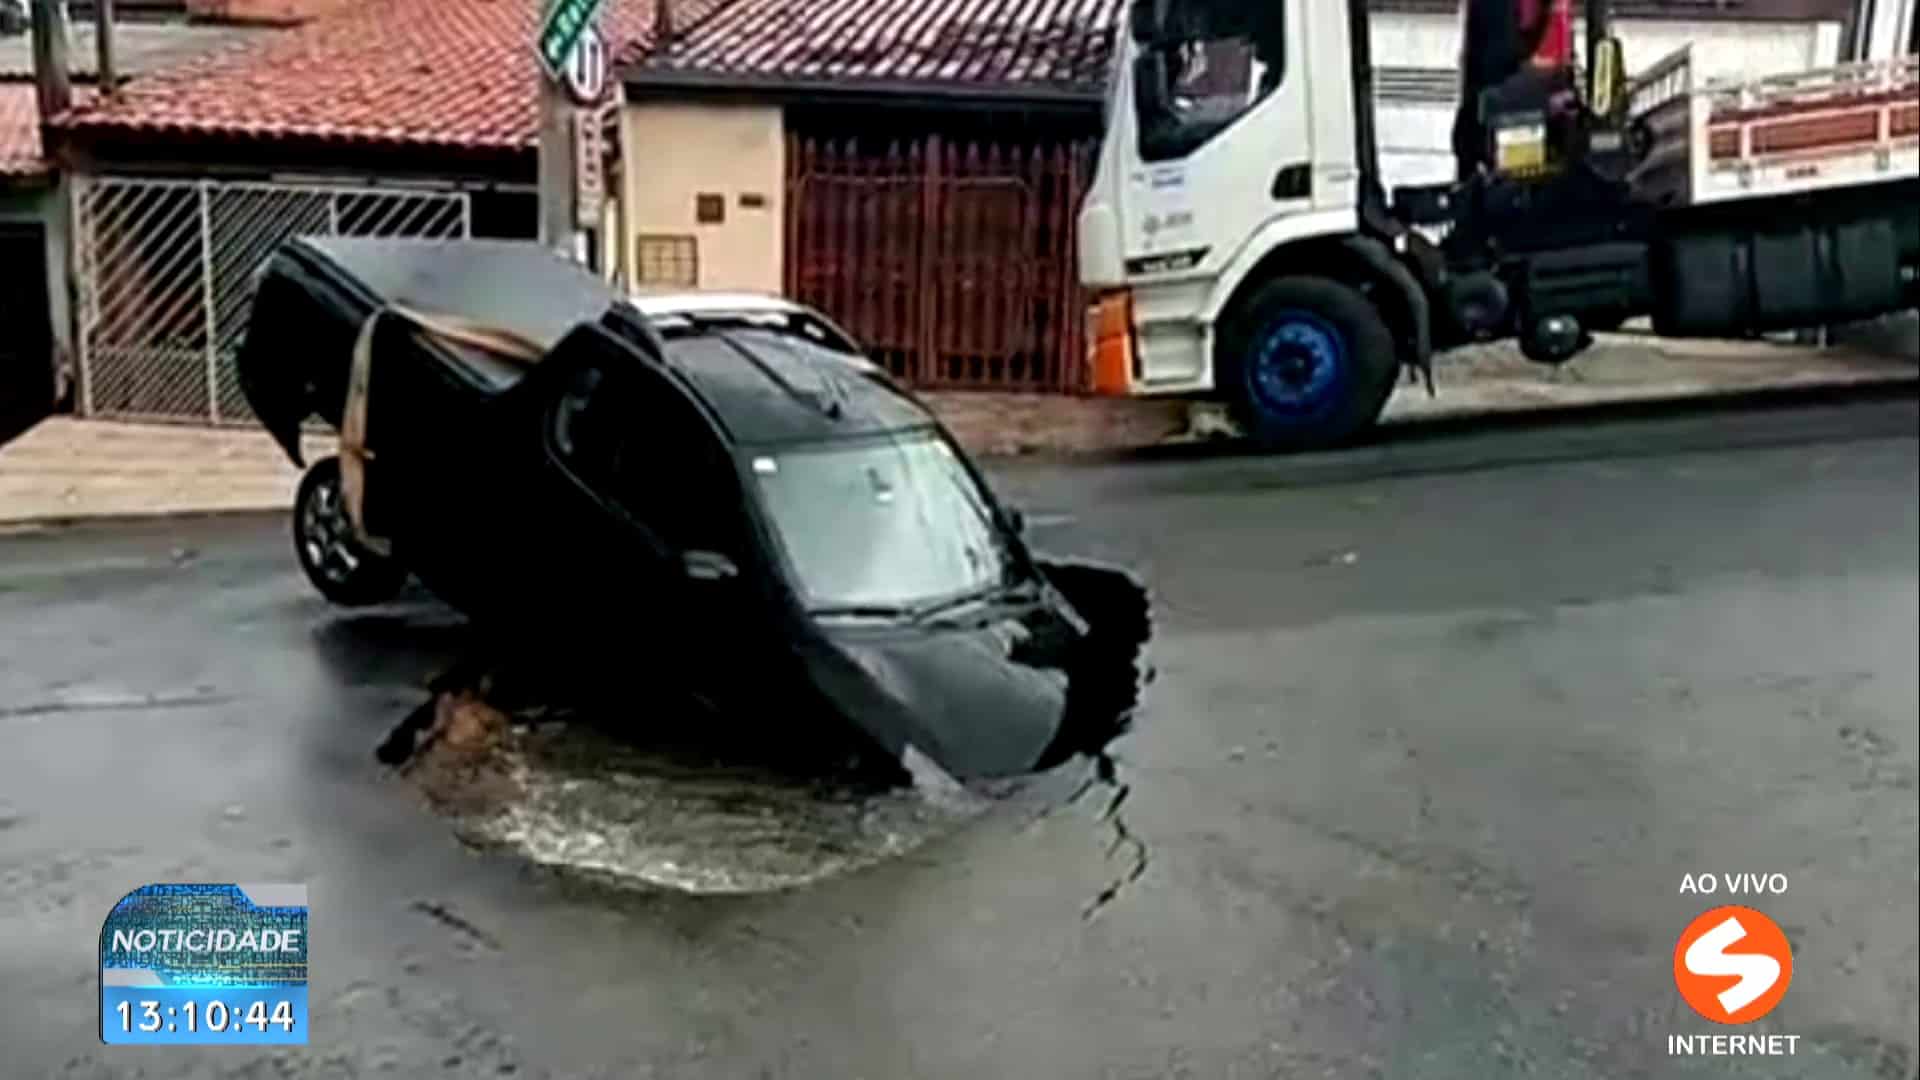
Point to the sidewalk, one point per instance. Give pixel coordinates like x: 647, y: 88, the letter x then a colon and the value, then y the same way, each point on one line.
x: 1474, y: 381
x: 68, y: 468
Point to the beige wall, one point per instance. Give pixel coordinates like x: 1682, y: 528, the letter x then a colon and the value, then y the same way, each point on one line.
x: 670, y: 154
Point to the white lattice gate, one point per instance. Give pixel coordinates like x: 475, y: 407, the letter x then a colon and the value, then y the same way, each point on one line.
x: 166, y: 270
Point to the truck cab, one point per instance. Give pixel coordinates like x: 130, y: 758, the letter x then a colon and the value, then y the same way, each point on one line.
x: 1231, y: 131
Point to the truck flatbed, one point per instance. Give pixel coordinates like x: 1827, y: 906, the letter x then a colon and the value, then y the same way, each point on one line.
x: 1730, y: 139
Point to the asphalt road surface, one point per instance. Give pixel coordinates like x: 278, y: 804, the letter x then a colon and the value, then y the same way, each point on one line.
x: 1437, y: 729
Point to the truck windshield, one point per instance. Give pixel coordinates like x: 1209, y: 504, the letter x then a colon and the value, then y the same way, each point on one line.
x: 879, y: 527
x: 1200, y: 67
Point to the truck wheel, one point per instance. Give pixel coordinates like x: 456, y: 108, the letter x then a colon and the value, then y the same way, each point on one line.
x: 335, y: 561
x: 1305, y: 362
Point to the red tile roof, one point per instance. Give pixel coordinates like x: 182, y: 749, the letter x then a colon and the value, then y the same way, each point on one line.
x: 20, y: 131
x: 980, y: 46
x: 422, y: 73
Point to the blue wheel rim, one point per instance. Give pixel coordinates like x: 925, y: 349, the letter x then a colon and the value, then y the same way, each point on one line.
x: 1299, y: 367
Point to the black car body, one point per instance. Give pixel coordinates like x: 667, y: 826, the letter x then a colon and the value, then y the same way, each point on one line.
x: 735, y: 500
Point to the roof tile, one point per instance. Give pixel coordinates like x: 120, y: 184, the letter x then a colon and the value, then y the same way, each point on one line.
x: 1059, y: 45
x: 426, y: 73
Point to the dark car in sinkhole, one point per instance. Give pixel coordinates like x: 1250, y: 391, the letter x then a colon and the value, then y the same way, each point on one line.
x: 720, y: 491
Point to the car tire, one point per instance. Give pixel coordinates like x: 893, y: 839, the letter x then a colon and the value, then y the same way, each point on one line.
x: 333, y: 558
x: 1305, y: 362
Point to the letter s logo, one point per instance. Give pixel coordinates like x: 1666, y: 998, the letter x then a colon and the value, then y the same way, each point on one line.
x: 1732, y: 965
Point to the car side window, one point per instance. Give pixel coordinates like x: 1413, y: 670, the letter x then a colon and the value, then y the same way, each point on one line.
x: 671, y: 473
x: 637, y: 441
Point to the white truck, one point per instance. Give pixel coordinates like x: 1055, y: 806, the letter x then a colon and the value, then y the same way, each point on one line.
x: 1240, y: 246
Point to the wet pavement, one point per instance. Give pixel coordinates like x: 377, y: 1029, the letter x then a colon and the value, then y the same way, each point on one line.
x: 1437, y: 728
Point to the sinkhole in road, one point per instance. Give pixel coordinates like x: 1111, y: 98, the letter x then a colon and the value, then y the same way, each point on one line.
x: 567, y: 795
x: 699, y: 803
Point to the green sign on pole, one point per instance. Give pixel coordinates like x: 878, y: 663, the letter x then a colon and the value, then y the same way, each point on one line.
x: 565, y: 21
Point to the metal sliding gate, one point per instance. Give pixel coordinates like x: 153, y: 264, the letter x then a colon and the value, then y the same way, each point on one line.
x: 166, y: 272
x: 951, y: 259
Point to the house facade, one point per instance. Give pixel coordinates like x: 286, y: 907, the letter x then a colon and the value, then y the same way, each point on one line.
x: 39, y: 355
x: 912, y: 168
x: 390, y: 118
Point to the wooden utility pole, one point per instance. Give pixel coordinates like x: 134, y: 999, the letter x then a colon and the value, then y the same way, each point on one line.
x: 105, y: 76
x: 52, y: 84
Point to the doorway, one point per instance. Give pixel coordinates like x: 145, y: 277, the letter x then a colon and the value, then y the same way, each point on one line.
x: 26, y: 313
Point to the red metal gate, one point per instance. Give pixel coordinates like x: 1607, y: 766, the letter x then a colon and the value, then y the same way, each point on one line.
x: 952, y: 260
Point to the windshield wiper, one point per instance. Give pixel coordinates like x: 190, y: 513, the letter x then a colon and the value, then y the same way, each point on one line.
x: 1022, y: 591
x: 1025, y: 590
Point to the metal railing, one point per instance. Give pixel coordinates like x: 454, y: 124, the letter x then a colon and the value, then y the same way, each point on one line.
x: 166, y: 271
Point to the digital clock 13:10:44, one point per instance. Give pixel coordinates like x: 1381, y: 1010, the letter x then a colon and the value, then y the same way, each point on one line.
x: 213, y: 1016
x: 204, y: 1014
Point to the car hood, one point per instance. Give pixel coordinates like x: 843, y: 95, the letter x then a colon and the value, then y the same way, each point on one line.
x: 1009, y: 692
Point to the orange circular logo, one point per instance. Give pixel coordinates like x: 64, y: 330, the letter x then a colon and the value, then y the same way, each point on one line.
x: 1732, y: 965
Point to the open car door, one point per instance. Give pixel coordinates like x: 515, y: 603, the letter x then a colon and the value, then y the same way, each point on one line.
x: 596, y: 484
x: 316, y: 293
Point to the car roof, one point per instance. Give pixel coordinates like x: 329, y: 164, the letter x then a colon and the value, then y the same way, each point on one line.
x: 766, y: 384
x: 769, y: 387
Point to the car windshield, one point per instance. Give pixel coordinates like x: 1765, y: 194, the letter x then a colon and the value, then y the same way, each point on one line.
x: 885, y: 525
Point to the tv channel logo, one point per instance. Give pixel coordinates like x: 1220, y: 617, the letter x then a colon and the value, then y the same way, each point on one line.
x: 219, y: 963
x: 1732, y: 965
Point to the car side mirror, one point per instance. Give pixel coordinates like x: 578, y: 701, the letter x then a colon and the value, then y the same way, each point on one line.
x: 708, y: 566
